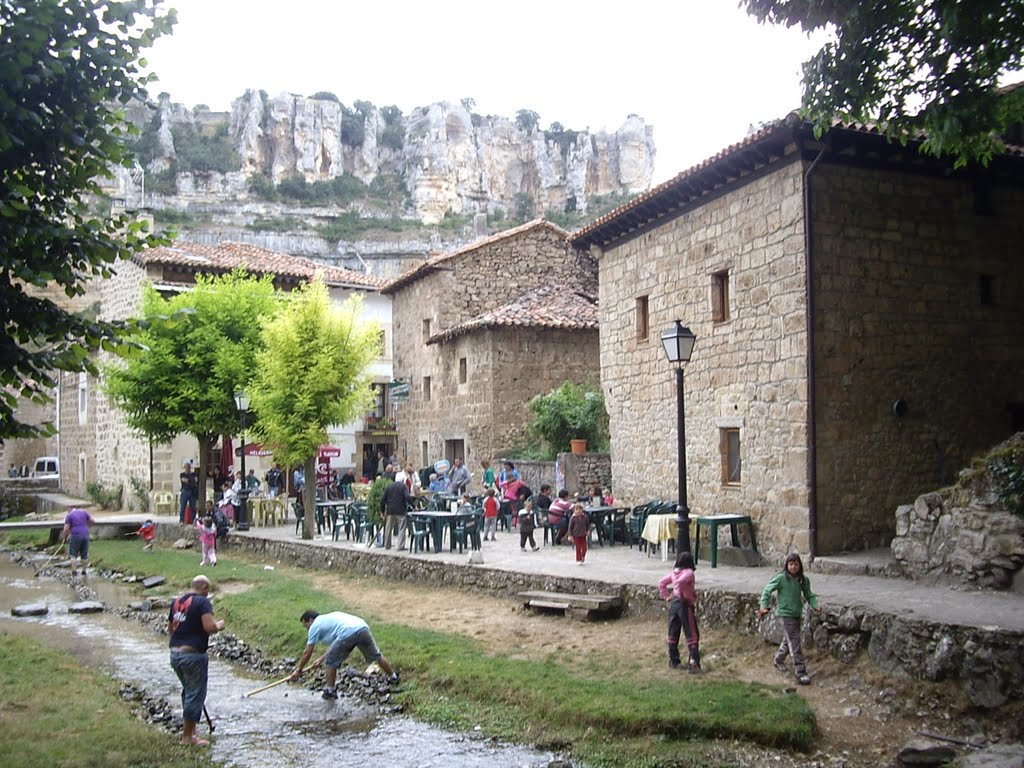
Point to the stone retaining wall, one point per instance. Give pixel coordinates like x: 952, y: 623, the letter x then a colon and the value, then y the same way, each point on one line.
x: 986, y: 663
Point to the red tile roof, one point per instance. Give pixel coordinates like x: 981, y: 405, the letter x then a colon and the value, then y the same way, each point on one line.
x: 432, y: 263
x: 548, y: 306
x: 227, y: 256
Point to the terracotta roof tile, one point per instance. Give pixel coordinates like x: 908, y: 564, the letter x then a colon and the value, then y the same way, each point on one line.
x: 431, y: 264
x: 227, y: 256
x: 548, y: 306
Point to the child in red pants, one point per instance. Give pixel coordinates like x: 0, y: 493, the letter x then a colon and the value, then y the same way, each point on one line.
x: 579, y: 529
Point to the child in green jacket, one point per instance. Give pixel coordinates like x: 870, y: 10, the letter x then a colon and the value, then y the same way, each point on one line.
x: 792, y: 587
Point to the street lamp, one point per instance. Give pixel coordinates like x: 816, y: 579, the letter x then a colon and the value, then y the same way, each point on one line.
x: 678, y: 343
x: 242, y: 402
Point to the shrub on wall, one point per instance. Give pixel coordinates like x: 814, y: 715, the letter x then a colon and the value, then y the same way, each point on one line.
x: 571, y: 412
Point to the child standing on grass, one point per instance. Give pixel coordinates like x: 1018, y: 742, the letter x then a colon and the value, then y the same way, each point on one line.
x: 678, y: 586
x: 147, y: 531
x: 490, y: 515
x: 527, y: 524
x: 579, y: 529
x: 792, y: 587
x: 208, y: 540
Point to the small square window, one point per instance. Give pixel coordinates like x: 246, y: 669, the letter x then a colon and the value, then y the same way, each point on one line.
x: 426, y: 388
x: 463, y: 373
x: 426, y: 329
x: 720, y: 296
x: 424, y: 454
x: 643, y: 317
x: 730, y: 448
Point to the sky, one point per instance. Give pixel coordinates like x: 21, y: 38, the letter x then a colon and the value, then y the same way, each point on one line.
x: 701, y: 72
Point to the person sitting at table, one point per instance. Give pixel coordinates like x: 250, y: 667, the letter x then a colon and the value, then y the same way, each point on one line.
x: 345, y: 483
x: 606, y: 498
x: 543, y: 499
x: 438, y: 484
x: 558, y: 515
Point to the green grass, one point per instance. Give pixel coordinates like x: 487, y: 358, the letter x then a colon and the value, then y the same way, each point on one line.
x: 56, y: 712
x: 449, y: 679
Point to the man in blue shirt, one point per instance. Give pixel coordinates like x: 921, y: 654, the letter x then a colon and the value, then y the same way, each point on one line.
x: 342, y: 633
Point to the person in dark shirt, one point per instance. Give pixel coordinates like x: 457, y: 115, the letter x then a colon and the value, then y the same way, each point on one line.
x: 393, y: 506
x: 190, y: 623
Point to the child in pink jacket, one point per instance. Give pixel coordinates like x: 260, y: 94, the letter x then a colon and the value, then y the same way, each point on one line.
x: 208, y: 540
x: 678, y: 587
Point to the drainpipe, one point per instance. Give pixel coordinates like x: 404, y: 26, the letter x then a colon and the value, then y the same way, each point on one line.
x: 812, y: 439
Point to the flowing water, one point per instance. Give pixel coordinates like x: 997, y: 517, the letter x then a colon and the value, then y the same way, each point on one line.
x: 284, y: 727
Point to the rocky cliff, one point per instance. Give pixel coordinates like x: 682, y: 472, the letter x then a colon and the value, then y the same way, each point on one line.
x: 452, y: 161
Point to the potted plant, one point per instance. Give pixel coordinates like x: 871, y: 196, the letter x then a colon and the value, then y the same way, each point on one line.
x: 572, y: 416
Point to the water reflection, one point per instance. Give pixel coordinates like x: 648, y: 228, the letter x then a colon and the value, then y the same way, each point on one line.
x: 284, y: 727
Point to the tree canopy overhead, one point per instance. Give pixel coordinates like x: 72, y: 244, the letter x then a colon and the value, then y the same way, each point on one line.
x: 925, y: 69
x: 66, y: 67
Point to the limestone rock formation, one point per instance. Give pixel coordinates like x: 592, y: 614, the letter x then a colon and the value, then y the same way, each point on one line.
x: 451, y: 160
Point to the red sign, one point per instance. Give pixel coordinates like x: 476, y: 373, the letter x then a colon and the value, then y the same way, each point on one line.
x: 323, y: 464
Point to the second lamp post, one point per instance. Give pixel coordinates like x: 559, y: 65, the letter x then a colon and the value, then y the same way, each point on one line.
x: 242, y: 402
x: 678, y: 343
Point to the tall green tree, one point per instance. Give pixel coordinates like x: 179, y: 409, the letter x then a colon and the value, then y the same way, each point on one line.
x: 312, y: 372
x: 196, y: 350
x: 66, y: 69
x: 926, y: 68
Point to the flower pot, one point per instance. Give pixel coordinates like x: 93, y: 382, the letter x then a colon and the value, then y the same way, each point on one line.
x: 578, y: 446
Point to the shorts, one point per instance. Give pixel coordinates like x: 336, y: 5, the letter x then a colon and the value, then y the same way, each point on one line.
x: 340, y: 649
x: 78, y: 546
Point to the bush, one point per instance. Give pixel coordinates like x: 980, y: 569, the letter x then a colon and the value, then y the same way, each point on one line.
x: 373, y: 497
x: 103, y: 498
x: 140, y: 494
x: 568, y: 413
x: 1006, y: 469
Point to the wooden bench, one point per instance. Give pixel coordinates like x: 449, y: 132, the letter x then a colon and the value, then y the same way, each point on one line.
x: 576, y: 606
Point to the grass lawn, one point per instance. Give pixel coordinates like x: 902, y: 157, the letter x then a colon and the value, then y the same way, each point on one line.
x: 607, y: 717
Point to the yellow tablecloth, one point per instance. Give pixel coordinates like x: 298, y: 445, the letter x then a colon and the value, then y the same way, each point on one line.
x: 660, y: 529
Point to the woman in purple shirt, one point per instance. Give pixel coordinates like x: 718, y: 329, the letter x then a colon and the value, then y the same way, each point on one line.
x: 76, y: 526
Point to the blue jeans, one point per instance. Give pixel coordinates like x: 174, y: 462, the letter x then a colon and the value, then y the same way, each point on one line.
x: 187, y: 499
x: 192, y: 670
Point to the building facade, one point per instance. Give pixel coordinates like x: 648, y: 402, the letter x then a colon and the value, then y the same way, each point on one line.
x: 480, y: 331
x: 859, y: 313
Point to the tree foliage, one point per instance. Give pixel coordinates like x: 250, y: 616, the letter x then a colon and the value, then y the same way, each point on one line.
x: 66, y: 70
x: 571, y: 412
x: 920, y: 68
x: 527, y: 119
x: 198, y: 349
x: 311, y: 373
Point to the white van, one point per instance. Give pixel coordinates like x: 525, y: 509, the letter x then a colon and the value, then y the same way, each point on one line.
x: 47, y: 467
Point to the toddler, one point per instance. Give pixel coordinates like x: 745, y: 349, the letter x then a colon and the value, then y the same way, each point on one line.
x: 148, y: 533
x: 579, y: 529
x: 527, y: 524
x: 208, y: 540
x: 490, y: 515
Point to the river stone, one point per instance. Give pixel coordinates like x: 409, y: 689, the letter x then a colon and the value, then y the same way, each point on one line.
x: 34, y: 609
x: 153, y: 581
x: 924, y: 753
x: 86, y: 606
x: 998, y: 756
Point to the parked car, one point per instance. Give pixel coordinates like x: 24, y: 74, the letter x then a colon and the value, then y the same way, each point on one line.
x: 47, y: 467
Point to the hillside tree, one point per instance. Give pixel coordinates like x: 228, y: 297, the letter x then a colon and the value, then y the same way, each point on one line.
x: 196, y: 350
x: 66, y: 70
x: 312, y: 372
x: 926, y: 69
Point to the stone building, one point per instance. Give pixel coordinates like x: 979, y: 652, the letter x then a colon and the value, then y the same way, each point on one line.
x: 859, y: 313
x: 94, y: 442
x: 479, y: 331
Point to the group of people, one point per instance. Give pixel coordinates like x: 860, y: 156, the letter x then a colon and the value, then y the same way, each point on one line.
x: 191, y: 624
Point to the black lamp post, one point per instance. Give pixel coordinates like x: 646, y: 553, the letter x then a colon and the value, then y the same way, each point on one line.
x: 678, y: 342
x: 242, y: 402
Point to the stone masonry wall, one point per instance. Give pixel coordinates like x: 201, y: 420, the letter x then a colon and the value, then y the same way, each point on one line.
x: 984, y: 662
x: 505, y: 366
x: 899, y: 262
x: 747, y: 372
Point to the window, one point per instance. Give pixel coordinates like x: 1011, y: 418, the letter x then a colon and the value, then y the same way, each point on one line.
x: 81, y: 468
x: 985, y: 293
x: 380, y: 394
x: 382, y: 348
x: 426, y: 330
x: 720, y: 296
x: 424, y: 454
x: 83, y: 398
x: 426, y: 388
x: 730, y: 447
x: 462, y: 370
x: 643, y: 318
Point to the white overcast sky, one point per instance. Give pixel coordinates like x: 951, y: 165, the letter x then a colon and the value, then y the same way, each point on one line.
x: 699, y: 71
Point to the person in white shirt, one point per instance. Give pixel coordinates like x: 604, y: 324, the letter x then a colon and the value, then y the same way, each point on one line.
x: 411, y: 478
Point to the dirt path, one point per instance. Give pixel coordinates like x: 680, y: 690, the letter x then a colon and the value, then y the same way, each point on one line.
x: 863, y: 716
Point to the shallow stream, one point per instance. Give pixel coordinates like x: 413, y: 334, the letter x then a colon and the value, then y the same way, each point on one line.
x: 285, y: 727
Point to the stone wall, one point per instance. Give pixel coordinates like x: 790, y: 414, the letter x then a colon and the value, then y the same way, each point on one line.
x: 984, y: 662
x: 748, y: 370
x: 580, y: 472
x: 962, y: 532
x: 902, y: 263
x: 505, y: 365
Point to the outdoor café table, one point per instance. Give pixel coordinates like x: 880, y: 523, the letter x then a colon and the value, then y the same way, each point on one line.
x: 330, y: 508
x: 599, y: 516
x: 438, y: 519
x: 659, y: 530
